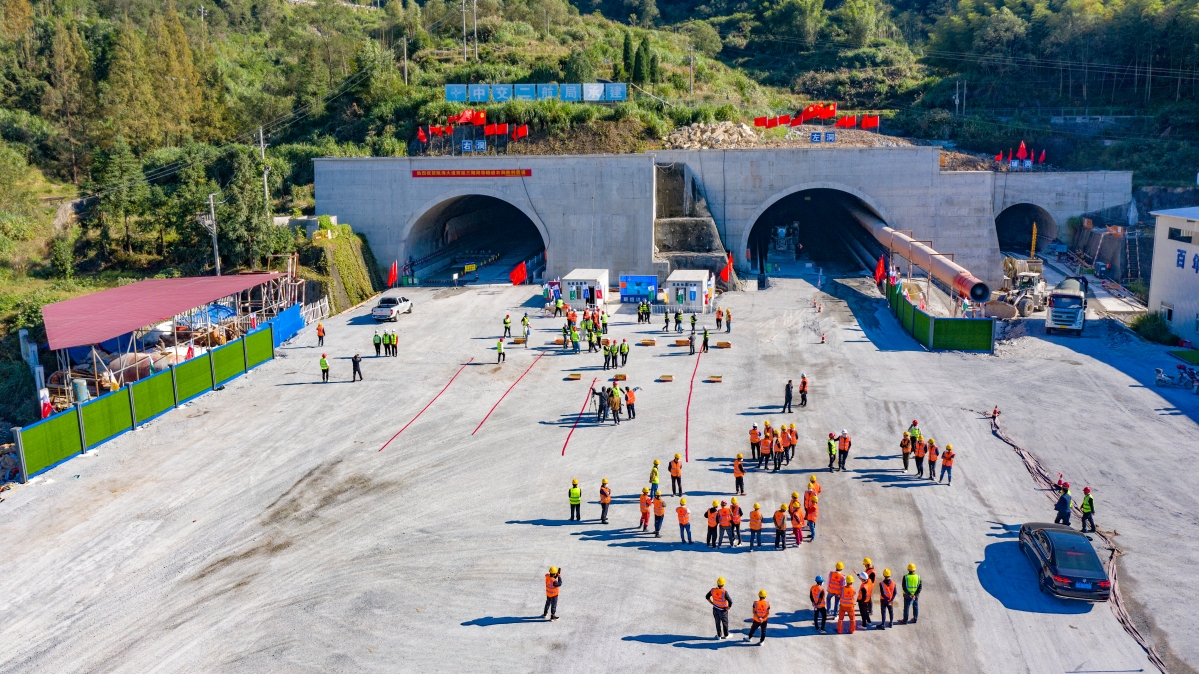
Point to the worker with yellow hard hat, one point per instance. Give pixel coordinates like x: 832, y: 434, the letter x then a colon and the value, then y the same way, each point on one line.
x: 711, y: 515
x: 653, y: 479
x: 947, y: 464
x: 721, y: 602
x: 755, y: 527
x: 646, y: 503
x: 684, y: 514
x: 575, y: 495
x: 735, y: 515
x: 761, y: 614
x: 780, y: 527
x: 886, y: 597
x: 605, y: 500
x: 739, y: 475
x: 794, y: 442
x: 846, y: 609
x: 911, y: 594
x: 676, y: 476
x: 553, y: 581
x: 836, y: 583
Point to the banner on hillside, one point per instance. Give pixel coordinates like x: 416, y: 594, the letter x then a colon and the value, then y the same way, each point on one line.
x: 594, y: 92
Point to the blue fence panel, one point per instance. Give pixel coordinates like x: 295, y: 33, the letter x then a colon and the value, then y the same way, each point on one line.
x: 287, y: 324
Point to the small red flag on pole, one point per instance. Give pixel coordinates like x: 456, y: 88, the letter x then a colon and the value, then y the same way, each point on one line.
x: 420, y: 135
x: 880, y: 271
x: 392, y: 275
x: 1042, y: 159
x: 522, y: 130
x: 728, y: 268
x: 999, y: 157
x: 518, y: 274
x: 1022, y: 153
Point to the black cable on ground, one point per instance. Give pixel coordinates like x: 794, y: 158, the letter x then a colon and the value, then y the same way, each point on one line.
x: 1044, y: 481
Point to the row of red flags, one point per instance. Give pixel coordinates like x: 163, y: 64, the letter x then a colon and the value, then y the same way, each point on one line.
x: 488, y: 130
x: 818, y: 111
x: 1022, y: 154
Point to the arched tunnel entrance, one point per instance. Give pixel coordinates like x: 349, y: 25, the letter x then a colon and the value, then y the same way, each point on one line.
x: 1014, y: 227
x: 479, y: 231
x: 814, y: 225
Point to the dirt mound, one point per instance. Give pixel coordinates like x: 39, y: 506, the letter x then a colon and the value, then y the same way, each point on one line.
x: 703, y: 136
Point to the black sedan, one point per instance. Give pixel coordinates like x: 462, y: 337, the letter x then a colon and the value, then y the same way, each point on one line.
x: 1066, y: 563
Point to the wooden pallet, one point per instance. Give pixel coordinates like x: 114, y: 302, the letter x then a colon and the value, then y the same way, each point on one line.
x: 558, y: 341
x: 666, y: 377
x: 649, y: 342
x: 574, y: 376
x: 715, y: 378
x: 620, y: 377
x: 724, y: 345
x: 682, y: 342
x: 518, y: 340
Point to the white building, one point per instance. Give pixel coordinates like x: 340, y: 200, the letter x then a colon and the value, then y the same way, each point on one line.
x: 691, y: 290
x: 583, y: 288
x: 1174, y: 286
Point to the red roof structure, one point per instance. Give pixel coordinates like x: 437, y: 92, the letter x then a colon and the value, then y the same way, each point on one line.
x: 101, y: 316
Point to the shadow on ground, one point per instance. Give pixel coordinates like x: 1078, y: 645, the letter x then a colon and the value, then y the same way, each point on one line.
x: 1007, y: 575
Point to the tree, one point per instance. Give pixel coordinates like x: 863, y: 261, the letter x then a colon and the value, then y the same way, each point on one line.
x: 655, y: 69
x: 704, y: 38
x: 176, y: 80
x: 245, y: 232
x: 808, y: 20
x: 860, y: 19
x: 16, y: 17
x: 124, y: 188
x: 641, y: 63
x: 130, y: 105
x: 627, y: 54
x: 70, y: 98
x: 577, y: 67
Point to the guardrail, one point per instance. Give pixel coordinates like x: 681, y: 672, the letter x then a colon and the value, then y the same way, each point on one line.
x: 72, y: 432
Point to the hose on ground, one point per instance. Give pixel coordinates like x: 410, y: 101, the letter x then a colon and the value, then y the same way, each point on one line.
x: 1044, y: 480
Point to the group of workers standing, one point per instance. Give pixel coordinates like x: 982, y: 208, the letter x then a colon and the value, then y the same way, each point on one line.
x: 613, y: 399
x: 913, y: 444
x: 386, y: 344
x: 355, y: 361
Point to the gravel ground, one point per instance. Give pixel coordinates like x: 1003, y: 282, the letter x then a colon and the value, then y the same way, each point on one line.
x: 259, y: 527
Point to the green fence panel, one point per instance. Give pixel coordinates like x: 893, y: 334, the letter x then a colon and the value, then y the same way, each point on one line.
x: 48, y: 442
x: 260, y: 347
x: 964, y: 334
x: 153, y: 396
x: 107, y: 416
x: 905, y: 314
x: 229, y: 361
x: 193, y: 377
x: 920, y: 324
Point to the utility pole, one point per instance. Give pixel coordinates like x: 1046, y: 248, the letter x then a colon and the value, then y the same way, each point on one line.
x: 964, y: 83
x: 266, y: 192
x: 475, y: 25
x: 691, y: 68
x: 209, y: 223
x: 405, y: 60
x: 464, y: 31
x: 956, y: 101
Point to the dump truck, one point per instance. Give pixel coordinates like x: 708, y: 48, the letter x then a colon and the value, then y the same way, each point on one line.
x: 1067, y: 306
x: 1024, y: 286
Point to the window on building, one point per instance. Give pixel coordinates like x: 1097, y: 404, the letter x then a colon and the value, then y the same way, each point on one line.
x: 1183, y: 235
x: 1168, y: 311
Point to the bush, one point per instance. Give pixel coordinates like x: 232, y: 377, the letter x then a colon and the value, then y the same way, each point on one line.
x: 1154, y: 327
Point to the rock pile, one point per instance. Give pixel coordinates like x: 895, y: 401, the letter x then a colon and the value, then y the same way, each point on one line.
x: 718, y: 135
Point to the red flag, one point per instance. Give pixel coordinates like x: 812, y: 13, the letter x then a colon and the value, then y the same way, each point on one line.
x: 522, y: 130
x: 784, y: 120
x: 448, y: 130
x: 999, y: 157
x: 1042, y: 159
x: 759, y: 121
x: 518, y: 274
x: 870, y: 121
x: 489, y: 130
x: 452, y: 119
x: 1022, y: 153
x: 435, y: 130
x: 880, y: 271
x: 728, y: 268
x: 796, y: 120
x: 479, y: 118
x: 847, y: 122
x: 47, y: 410
x: 1009, y: 154
x: 392, y: 275
x: 501, y: 129
x: 420, y: 135
x: 829, y: 111
x: 810, y: 112
x: 772, y: 122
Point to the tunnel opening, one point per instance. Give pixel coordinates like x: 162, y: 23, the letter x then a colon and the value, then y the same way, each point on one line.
x: 1014, y: 228
x: 816, y: 226
x: 480, y: 238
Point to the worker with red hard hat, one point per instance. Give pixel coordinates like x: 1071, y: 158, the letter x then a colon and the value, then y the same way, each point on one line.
x: 1064, y: 502
x: 1088, y: 509
x: 832, y: 450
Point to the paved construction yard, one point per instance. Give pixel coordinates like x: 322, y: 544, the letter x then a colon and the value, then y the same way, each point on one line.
x: 259, y: 528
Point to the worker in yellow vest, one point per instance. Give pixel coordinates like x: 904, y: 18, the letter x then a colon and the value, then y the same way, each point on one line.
x: 575, y: 495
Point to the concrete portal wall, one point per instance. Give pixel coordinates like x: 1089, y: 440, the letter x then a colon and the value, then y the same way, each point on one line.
x: 592, y: 211
x: 598, y: 210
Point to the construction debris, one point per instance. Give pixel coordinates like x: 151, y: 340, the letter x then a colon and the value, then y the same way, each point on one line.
x: 718, y: 135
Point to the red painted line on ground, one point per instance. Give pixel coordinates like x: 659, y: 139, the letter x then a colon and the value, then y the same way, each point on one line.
x: 447, y: 385
x: 497, y: 403
x: 687, y: 428
x: 584, y: 409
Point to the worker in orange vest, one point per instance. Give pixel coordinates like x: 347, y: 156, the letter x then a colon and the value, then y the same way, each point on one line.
x: 846, y: 607
x: 785, y: 443
x: 780, y: 527
x: 843, y: 445
x: 630, y: 400
x: 659, y: 515
x: 794, y: 442
x: 933, y: 455
x: 553, y: 582
x: 684, y: 521
x: 724, y: 518
x: 739, y: 475
x: 721, y: 602
x: 736, y: 513
x: 947, y: 470
x: 755, y: 527
x: 797, y: 521
x: 711, y: 515
x: 605, y: 500
x: 778, y: 449
x: 803, y: 390
x: 919, y: 449
x: 810, y: 514
x: 755, y: 438
x: 320, y: 334
x: 767, y: 448
x: 836, y: 583
x: 646, y: 502
x: 814, y: 485
x: 885, y: 599
x: 866, y: 593
x: 761, y: 615
x: 905, y: 448
x: 676, y: 476
x: 819, y: 605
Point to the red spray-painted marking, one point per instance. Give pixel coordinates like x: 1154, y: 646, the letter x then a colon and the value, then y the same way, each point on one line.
x: 583, y: 409
x: 451, y: 381
x: 497, y: 403
x: 687, y: 428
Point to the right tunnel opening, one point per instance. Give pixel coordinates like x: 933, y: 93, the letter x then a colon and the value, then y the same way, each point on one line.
x: 814, y: 225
